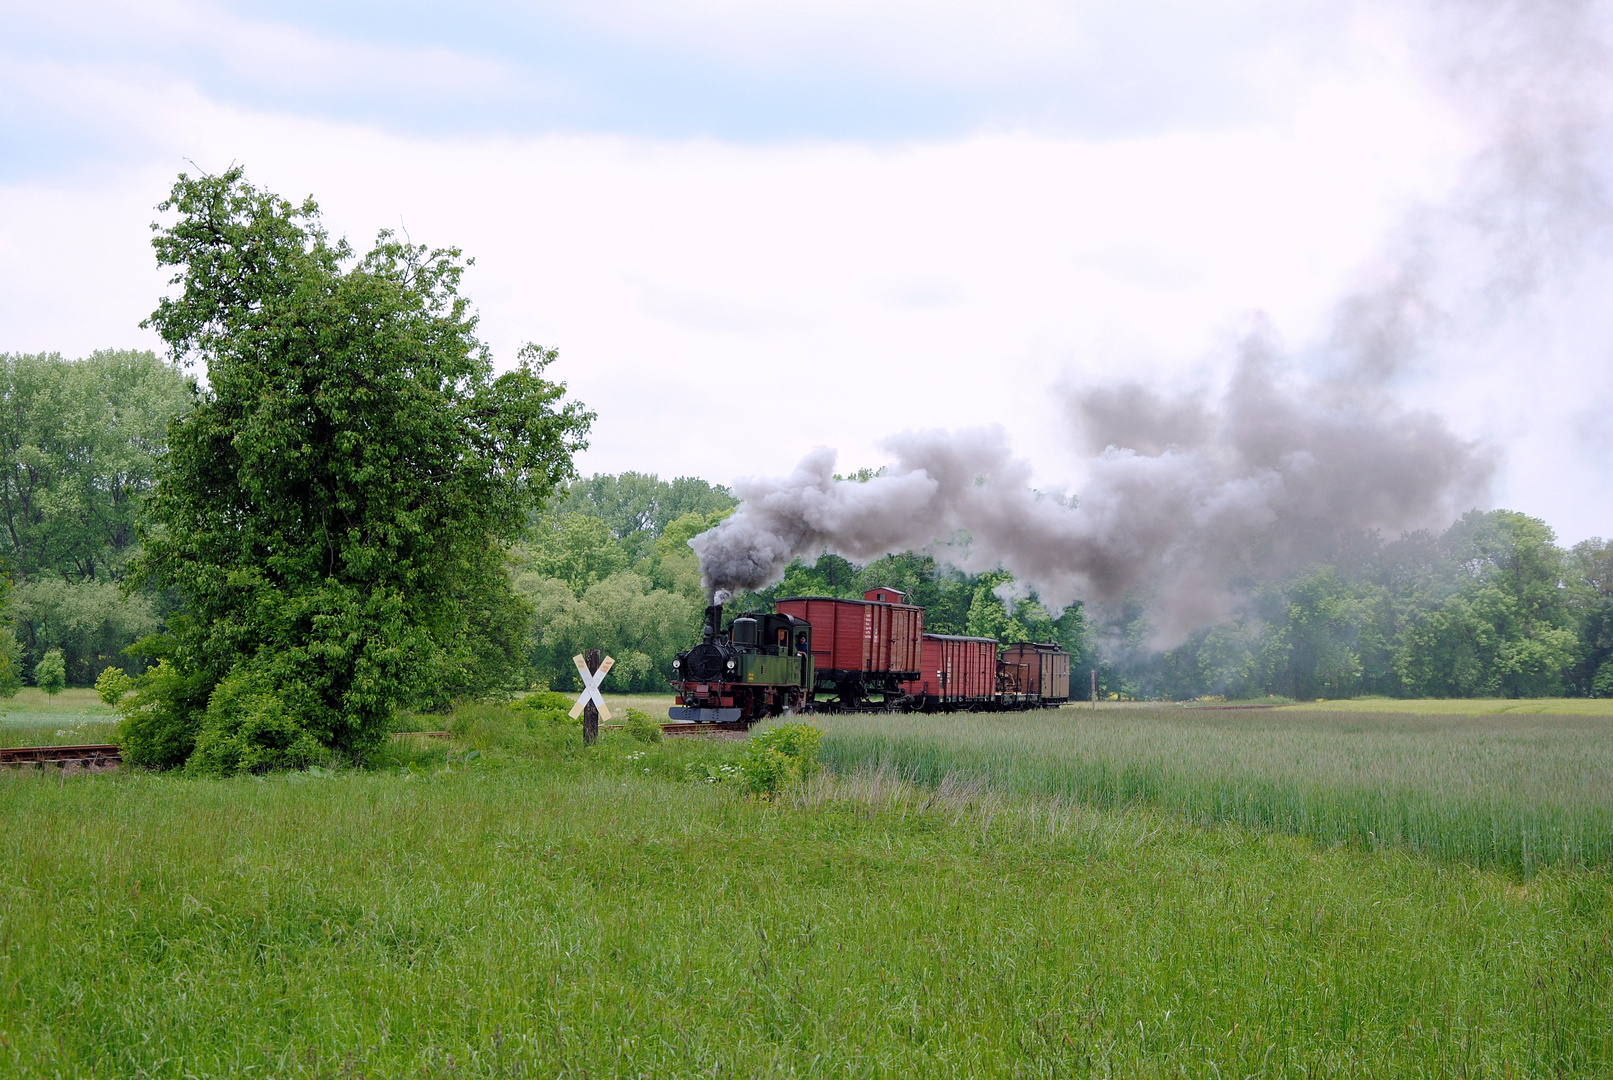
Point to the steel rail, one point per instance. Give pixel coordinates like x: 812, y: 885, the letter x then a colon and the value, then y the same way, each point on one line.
x: 84, y: 756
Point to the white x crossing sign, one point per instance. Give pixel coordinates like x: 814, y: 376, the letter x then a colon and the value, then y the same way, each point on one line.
x: 590, y: 686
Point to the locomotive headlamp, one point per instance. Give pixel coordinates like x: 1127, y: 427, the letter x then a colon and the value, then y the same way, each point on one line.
x: 730, y: 665
x: 677, y: 663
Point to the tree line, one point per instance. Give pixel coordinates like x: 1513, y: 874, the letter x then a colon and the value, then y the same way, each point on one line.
x: 1491, y: 607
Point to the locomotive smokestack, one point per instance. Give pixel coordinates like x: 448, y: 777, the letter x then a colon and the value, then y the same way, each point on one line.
x: 713, y: 622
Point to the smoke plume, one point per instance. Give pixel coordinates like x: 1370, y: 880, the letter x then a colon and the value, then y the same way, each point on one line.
x: 1194, y: 499
x: 1205, y: 499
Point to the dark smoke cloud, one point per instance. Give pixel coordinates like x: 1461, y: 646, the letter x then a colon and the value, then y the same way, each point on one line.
x: 1193, y: 499
x: 1210, y: 498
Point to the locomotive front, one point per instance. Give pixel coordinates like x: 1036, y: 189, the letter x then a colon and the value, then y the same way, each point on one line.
x: 759, y: 666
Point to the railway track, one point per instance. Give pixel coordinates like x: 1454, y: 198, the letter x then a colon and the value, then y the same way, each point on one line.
x: 95, y: 757
x: 687, y: 728
x: 100, y: 757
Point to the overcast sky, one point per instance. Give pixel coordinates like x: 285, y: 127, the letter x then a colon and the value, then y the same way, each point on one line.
x: 754, y: 228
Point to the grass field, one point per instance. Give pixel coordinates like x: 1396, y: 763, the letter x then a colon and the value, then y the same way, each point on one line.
x: 514, y: 904
x: 1464, y: 706
x: 1513, y: 790
x: 35, y: 718
x: 582, y: 917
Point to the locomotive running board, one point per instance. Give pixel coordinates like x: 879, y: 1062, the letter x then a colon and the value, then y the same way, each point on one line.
x: 702, y: 716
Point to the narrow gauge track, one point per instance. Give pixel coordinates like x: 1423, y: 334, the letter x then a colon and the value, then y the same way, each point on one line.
x: 686, y: 727
x: 95, y: 756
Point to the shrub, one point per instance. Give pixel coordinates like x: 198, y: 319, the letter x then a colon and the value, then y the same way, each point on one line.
x: 547, y: 700
x: 546, y: 709
x: 50, y: 674
x: 160, y: 715
x: 777, y: 758
x: 642, y: 726
x: 247, y: 728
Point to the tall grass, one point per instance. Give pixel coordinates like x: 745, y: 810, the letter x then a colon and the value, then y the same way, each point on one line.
x: 1512, y: 791
x: 574, y: 915
x: 1464, y: 706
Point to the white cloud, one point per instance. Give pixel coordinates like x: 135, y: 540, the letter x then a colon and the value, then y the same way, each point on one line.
x: 181, y: 36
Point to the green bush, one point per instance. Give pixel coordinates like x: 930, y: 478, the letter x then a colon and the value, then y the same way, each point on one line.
x: 160, y: 712
x: 778, y: 757
x: 547, y: 700
x: 50, y: 674
x: 642, y: 726
x: 247, y: 728
x: 545, y: 708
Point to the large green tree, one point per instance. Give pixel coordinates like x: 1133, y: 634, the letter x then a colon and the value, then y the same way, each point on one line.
x: 336, y: 506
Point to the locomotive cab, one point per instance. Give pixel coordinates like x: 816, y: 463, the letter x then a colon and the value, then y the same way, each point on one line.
x: 771, y: 635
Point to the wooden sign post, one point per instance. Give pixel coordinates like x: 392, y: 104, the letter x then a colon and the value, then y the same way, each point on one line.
x: 590, y: 703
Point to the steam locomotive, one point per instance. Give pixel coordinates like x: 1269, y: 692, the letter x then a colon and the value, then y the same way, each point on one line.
x: 823, y: 654
x: 761, y: 665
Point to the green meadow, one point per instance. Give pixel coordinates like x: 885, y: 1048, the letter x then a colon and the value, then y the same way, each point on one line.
x: 1464, y: 706
x: 35, y: 718
x: 1511, y: 789
x: 934, y: 903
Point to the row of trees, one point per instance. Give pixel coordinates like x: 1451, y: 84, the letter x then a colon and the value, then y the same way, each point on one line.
x: 80, y: 441
x: 608, y: 565
x: 1491, y: 607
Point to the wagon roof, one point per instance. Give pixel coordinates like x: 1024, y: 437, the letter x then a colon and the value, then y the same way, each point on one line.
x: 844, y: 600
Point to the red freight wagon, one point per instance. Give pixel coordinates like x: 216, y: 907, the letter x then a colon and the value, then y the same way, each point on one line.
x: 862, y: 650
x: 955, y: 671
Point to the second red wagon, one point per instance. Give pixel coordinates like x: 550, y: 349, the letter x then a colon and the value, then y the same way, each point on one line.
x: 863, y: 651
